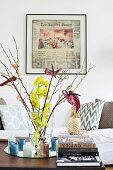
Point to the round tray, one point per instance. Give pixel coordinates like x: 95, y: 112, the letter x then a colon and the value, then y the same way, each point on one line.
x: 20, y: 154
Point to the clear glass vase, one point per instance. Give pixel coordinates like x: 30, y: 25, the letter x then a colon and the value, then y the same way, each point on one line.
x: 40, y: 144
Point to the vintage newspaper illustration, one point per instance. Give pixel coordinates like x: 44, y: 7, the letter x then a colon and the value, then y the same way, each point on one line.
x: 56, y: 42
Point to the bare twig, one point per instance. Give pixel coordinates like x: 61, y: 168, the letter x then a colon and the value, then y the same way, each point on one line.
x: 83, y: 77
x: 9, y: 73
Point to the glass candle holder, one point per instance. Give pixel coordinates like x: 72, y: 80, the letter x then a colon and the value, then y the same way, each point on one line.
x: 11, y: 139
x: 13, y: 148
x: 21, y: 143
x: 53, y: 143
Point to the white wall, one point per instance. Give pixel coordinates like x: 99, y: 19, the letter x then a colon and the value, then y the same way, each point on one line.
x: 99, y: 82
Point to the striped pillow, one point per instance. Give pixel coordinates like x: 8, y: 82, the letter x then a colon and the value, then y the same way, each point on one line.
x: 90, y: 114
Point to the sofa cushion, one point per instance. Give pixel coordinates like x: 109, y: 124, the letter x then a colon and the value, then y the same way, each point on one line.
x: 2, y: 102
x: 11, y: 117
x: 90, y: 114
x: 106, y: 120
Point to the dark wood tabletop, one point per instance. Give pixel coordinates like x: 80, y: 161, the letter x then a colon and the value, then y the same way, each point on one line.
x: 15, y: 163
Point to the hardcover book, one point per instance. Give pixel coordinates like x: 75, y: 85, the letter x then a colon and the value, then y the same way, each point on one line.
x: 79, y: 161
x: 81, y: 140
x: 78, y: 151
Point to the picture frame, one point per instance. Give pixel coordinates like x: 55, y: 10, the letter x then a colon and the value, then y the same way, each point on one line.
x: 56, y: 39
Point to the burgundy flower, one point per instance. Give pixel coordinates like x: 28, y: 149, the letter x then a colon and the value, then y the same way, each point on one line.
x: 9, y: 80
x: 52, y: 72
x: 72, y: 98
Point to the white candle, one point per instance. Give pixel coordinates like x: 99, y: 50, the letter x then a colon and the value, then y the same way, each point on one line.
x: 27, y: 150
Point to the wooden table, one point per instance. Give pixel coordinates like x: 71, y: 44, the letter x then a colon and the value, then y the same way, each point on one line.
x: 15, y: 163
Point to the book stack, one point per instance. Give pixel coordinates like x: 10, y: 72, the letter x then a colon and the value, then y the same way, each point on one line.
x: 77, y: 150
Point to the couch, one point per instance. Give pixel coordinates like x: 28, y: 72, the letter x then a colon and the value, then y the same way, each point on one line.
x: 103, y: 136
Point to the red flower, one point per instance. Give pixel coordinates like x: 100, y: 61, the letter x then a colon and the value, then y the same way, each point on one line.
x: 72, y: 98
x: 9, y: 80
x: 52, y: 72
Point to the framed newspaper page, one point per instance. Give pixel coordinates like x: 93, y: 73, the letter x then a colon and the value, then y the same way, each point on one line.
x: 56, y: 39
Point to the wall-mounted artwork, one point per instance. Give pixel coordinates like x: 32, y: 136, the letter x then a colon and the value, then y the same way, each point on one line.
x: 56, y: 39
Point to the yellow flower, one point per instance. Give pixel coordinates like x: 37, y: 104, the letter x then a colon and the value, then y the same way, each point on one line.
x: 36, y: 119
x: 45, y: 92
x: 46, y: 83
x: 40, y: 120
x: 47, y: 109
x: 39, y: 91
x: 46, y: 112
x: 48, y: 105
x: 36, y: 137
x: 41, y: 81
x: 38, y: 80
x: 34, y: 100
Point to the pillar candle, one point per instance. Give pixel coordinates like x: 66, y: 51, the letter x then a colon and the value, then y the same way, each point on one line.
x: 27, y: 150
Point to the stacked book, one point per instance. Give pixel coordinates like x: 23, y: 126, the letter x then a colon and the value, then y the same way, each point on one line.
x: 77, y: 150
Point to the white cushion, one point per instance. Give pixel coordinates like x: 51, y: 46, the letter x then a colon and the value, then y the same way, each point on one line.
x: 11, y: 117
x: 104, y: 141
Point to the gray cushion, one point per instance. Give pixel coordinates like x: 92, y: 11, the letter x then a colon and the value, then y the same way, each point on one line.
x: 106, y: 120
x: 90, y: 114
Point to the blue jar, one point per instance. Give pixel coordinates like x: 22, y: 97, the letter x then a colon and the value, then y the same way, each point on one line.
x: 21, y: 143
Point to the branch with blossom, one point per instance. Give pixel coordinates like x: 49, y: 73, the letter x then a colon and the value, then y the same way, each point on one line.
x: 38, y: 102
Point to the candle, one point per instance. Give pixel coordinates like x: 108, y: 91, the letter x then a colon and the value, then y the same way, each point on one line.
x: 21, y: 142
x: 27, y: 150
x: 53, y: 143
x: 10, y: 139
x: 13, y: 148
